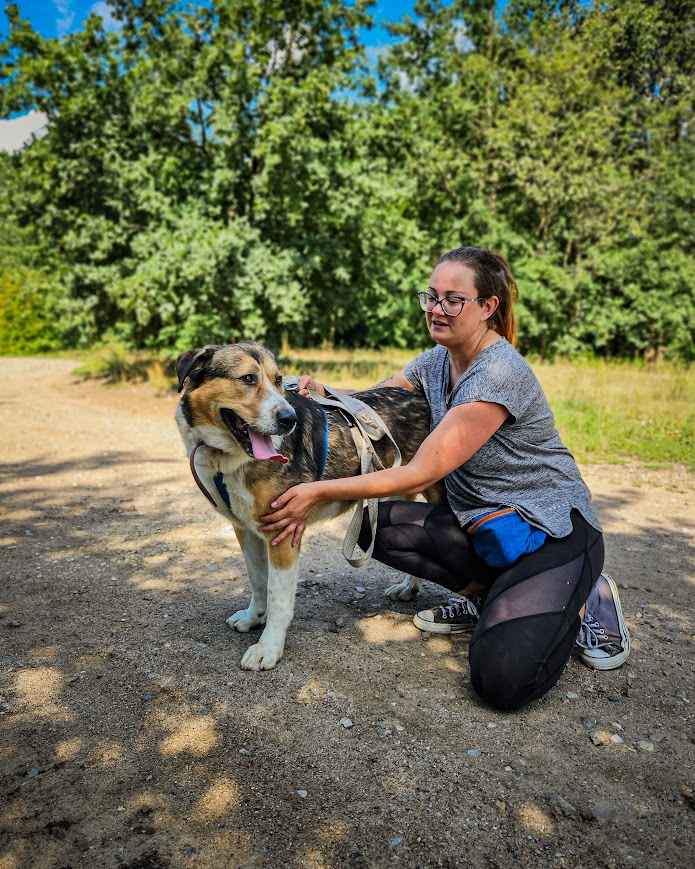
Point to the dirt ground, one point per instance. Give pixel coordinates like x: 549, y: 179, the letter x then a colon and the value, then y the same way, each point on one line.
x: 129, y: 737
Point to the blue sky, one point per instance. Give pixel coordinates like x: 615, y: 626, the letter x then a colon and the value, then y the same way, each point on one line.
x: 58, y: 17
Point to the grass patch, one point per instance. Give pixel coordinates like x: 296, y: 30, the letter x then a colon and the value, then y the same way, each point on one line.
x: 605, y: 411
x: 609, y: 410
x: 113, y: 365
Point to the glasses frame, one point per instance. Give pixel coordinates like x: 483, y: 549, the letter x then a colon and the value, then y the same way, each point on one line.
x: 424, y: 295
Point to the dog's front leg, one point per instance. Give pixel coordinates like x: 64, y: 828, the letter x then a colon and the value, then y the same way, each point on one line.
x: 255, y: 551
x: 406, y: 589
x: 283, y: 569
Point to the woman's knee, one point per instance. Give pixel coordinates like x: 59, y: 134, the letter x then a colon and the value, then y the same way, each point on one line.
x: 510, y: 667
x: 500, y: 680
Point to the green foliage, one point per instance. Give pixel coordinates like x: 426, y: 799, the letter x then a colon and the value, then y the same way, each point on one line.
x: 27, y: 322
x: 232, y: 169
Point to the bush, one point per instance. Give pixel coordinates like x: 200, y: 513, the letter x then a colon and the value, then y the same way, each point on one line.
x: 27, y: 313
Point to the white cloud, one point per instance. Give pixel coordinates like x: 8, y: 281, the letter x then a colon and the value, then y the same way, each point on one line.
x: 103, y: 10
x: 66, y: 16
x: 18, y: 132
x: 462, y: 41
x: 376, y: 52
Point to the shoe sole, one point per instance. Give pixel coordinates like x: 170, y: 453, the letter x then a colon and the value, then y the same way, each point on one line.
x: 436, y: 628
x: 615, y: 661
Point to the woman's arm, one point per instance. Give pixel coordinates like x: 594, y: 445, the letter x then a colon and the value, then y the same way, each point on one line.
x: 458, y: 436
x: 307, y: 382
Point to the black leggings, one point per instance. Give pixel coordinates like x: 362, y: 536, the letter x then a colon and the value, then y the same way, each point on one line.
x: 530, y: 615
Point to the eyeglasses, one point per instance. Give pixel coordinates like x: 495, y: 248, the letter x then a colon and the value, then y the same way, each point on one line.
x: 450, y: 307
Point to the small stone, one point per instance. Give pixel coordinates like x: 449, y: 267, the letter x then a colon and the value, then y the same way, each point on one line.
x: 360, y: 589
x: 600, y: 737
x: 244, y: 751
x: 572, y: 695
x: 602, y: 811
x: 395, y: 841
x: 301, y: 793
x: 688, y: 795
x: 13, y: 623
x: 645, y: 745
x: 657, y: 736
x: 617, y: 739
x: 346, y: 723
x: 147, y: 696
x: 508, y: 768
x: 473, y: 752
x: 614, y: 698
x: 33, y: 772
x: 339, y: 622
x: 589, y: 723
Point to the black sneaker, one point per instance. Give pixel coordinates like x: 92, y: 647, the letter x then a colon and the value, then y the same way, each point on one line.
x: 459, y: 617
x: 603, y: 639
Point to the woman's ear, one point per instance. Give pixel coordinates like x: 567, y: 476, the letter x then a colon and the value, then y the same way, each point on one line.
x: 490, y: 305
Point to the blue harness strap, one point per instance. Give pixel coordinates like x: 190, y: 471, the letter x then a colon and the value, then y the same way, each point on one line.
x: 322, y: 458
x: 218, y: 480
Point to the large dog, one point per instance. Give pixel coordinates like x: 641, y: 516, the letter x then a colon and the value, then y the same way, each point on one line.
x: 259, y: 439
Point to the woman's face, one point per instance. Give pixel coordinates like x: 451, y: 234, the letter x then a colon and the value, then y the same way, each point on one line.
x: 455, y: 282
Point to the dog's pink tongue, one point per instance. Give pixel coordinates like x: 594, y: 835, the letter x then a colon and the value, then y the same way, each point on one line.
x: 262, y: 448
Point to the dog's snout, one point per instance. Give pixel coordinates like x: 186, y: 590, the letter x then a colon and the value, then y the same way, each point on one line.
x: 286, y: 420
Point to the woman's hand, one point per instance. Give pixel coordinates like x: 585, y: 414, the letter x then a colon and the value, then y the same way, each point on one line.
x: 307, y: 382
x: 290, y: 511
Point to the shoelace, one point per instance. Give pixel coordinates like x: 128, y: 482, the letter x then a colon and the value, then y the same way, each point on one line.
x: 591, y: 635
x: 459, y: 606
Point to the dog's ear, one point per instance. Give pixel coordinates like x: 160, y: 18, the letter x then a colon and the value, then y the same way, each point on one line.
x: 191, y: 361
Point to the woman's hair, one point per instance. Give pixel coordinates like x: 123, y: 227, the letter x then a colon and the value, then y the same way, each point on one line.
x: 493, y: 277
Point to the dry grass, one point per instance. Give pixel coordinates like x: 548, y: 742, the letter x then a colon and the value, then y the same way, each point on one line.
x: 606, y: 411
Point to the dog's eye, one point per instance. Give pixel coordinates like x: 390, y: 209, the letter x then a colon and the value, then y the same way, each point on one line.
x: 249, y: 378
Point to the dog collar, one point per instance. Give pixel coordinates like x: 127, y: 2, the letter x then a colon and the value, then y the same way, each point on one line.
x: 218, y: 480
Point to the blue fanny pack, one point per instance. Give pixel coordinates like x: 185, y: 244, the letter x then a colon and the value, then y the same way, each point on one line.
x: 501, y: 537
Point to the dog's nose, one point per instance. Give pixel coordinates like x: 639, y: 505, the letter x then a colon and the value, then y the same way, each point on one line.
x: 286, y: 420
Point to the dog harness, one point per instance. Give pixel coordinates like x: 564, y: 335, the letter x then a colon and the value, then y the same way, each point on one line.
x: 366, y: 427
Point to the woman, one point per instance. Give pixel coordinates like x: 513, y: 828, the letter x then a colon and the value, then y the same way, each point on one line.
x: 519, y: 525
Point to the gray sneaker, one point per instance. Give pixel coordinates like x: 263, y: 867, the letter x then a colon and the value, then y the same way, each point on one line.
x: 603, y: 637
x: 460, y: 616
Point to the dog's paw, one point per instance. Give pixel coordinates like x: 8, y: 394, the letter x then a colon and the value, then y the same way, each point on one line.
x: 406, y: 589
x: 260, y: 657
x: 244, y: 620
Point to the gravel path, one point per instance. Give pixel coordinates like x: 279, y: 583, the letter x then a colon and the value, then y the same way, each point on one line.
x: 129, y: 737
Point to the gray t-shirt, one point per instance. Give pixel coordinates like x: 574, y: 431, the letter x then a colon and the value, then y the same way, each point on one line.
x: 524, y: 465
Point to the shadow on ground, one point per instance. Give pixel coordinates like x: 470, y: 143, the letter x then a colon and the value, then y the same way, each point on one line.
x: 131, y: 738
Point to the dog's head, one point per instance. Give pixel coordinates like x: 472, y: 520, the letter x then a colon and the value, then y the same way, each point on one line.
x: 233, y: 396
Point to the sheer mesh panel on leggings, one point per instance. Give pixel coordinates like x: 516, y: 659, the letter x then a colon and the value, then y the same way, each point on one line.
x: 546, y: 592
x: 427, y: 541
